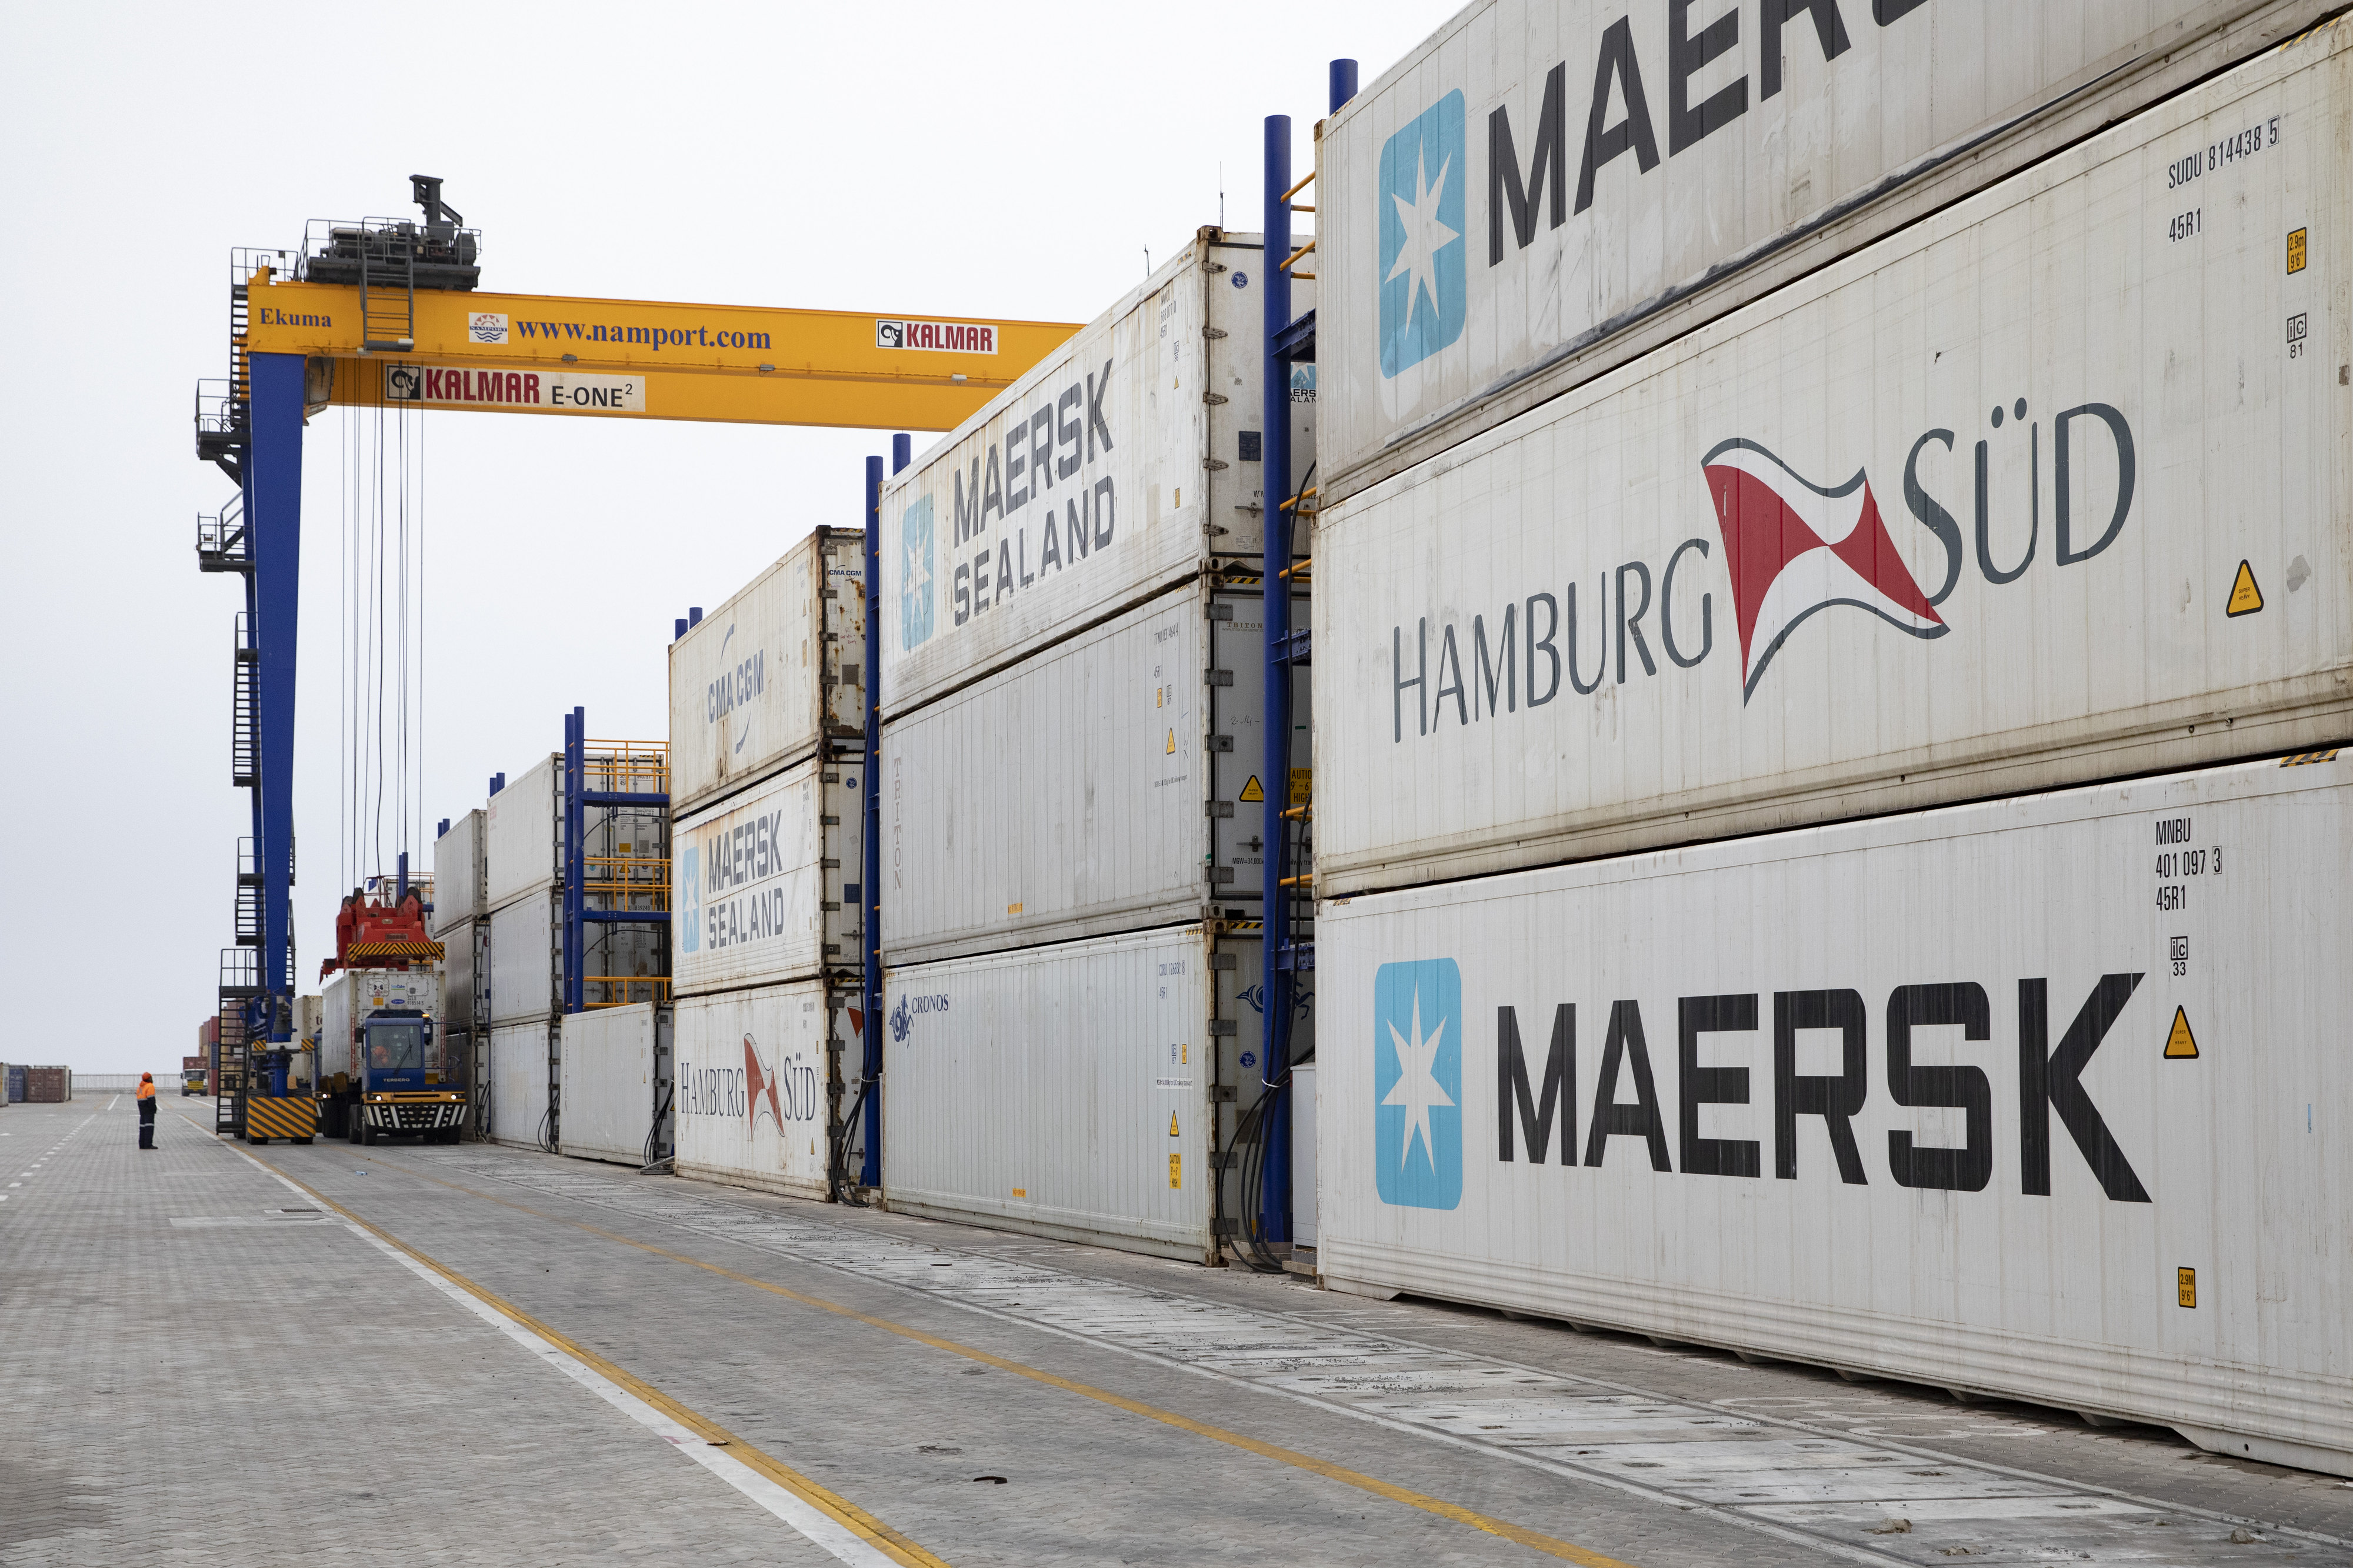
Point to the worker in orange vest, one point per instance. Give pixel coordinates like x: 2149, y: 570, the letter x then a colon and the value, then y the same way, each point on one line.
x: 146, y: 1110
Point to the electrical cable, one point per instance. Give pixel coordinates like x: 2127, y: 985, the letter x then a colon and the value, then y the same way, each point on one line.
x: 837, y: 1185
x: 653, y: 1134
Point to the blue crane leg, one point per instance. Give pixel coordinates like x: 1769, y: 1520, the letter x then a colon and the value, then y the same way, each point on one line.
x: 273, y: 466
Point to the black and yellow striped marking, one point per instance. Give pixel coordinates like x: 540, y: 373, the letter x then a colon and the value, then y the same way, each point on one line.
x: 287, y: 1117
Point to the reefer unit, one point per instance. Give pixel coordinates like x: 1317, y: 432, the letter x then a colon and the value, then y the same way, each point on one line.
x: 457, y: 868
x: 2038, y: 1097
x: 774, y: 675
x: 613, y: 1084
x: 1109, y: 783
x: 2051, y: 487
x: 1126, y: 462
x: 759, y: 1084
x: 1545, y: 188
x: 764, y: 885
x: 522, y: 834
x: 522, y: 1064
x: 1077, y: 1090
x: 526, y: 959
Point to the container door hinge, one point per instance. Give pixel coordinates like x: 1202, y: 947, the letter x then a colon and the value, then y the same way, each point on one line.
x: 1213, y: 332
x: 1221, y: 742
x: 1213, y: 463
x: 829, y: 865
x: 1221, y: 874
x: 1225, y: 960
x: 1224, y: 1027
x: 1222, y: 1094
x: 1214, y: 397
x: 1219, y: 676
x: 1220, y: 807
x: 1221, y: 612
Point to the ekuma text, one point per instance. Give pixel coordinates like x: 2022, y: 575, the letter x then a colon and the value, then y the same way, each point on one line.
x: 1036, y: 475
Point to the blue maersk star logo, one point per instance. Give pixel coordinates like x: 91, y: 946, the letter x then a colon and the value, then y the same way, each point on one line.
x: 690, y: 902
x: 1424, y: 289
x: 915, y: 576
x: 1418, y: 1083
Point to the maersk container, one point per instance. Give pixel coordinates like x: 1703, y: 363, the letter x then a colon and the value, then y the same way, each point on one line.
x: 457, y: 866
x: 1109, y: 783
x: 1126, y: 462
x: 2041, y: 1097
x: 2050, y: 488
x: 766, y: 886
x: 613, y: 1084
x: 523, y: 1061
x: 1547, y: 188
x: 773, y: 676
x: 759, y: 1084
x: 1079, y: 1090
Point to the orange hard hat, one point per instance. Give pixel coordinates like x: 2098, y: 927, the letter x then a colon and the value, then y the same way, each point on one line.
x: 146, y: 1077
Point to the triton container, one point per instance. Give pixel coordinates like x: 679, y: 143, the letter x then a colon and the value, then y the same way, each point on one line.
x: 759, y: 1084
x: 613, y: 1084
x: 2051, y: 487
x: 2038, y: 1097
x: 1546, y: 188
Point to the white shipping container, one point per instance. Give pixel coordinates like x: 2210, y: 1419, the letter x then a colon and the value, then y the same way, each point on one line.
x: 1123, y: 463
x: 1548, y: 187
x: 527, y: 958
x: 457, y: 873
x: 774, y: 675
x: 612, y: 1082
x: 2047, y: 489
x: 466, y: 977
x: 349, y: 997
x: 761, y: 884
x: 522, y: 1057
x: 2038, y: 1097
x: 522, y: 830
x: 1111, y: 782
x: 1074, y: 1090
x: 759, y: 1084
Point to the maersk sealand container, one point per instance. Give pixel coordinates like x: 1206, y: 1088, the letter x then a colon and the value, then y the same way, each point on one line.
x: 2053, y: 486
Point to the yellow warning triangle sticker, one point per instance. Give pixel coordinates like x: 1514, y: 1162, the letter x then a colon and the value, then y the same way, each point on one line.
x: 1172, y: 1124
x: 2181, y: 1045
x: 1252, y: 791
x: 2245, y: 597
x: 1172, y: 742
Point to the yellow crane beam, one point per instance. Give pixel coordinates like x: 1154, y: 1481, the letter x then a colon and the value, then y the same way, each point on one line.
x: 547, y: 354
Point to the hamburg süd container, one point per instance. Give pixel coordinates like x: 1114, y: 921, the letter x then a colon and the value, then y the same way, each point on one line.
x: 772, y: 676
x: 2038, y: 1096
x: 1108, y: 784
x: 765, y: 884
x: 1077, y: 1090
x: 523, y: 1060
x: 1126, y: 462
x: 1545, y: 188
x: 2048, y: 488
x: 613, y: 1083
x: 457, y: 866
x: 759, y: 1084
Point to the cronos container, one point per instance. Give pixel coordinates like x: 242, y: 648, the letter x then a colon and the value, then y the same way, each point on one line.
x: 523, y: 1061
x: 2033, y: 1097
x: 614, y: 1081
x: 1076, y: 1091
x: 1548, y: 187
x: 1111, y: 782
x: 2049, y: 488
x: 1127, y: 461
x: 458, y: 868
x: 772, y: 675
x: 759, y: 1084
x: 763, y: 885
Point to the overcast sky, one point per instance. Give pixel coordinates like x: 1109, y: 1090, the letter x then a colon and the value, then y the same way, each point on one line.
x: 952, y: 160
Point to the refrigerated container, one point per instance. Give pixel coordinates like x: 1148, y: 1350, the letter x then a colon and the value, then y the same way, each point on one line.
x: 457, y: 873
x: 765, y: 885
x: 522, y: 834
x: 526, y: 959
x: 614, y: 1083
x: 759, y: 1084
x: 523, y: 1063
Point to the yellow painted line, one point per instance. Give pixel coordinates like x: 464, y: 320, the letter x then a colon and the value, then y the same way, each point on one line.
x: 1535, y: 1540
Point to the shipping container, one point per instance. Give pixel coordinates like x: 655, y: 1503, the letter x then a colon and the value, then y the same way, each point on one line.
x: 522, y: 834
x: 772, y: 676
x: 1682, y: 165
x: 1110, y: 783
x: 350, y: 997
x: 614, y: 1083
x: 526, y: 959
x: 759, y: 1084
x: 49, y: 1085
x: 457, y: 873
x: 12, y: 1082
x: 2036, y: 1097
x: 523, y: 1061
x: 1518, y: 654
x: 1077, y: 1090
x: 1126, y: 462
x: 308, y: 1018
x: 765, y: 885
x: 466, y: 977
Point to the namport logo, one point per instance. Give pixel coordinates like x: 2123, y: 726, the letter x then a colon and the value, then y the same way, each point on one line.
x: 1418, y: 1083
x: 1424, y: 289
x: 915, y: 576
x: 690, y: 883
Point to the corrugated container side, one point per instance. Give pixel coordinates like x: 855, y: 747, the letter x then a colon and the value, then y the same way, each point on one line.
x: 526, y: 955
x: 522, y: 830
x: 48, y: 1085
x: 2047, y: 489
x: 1983, y: 1098
x: 335, y: 1028
x: 520, y: 1060
x: 760, y: 884
x: 759, y: 1084
x: 609, y: 1081
x: 1069, y: 1091
x: 772, y: 676
x: 466, y: 977
x: 16, y: 1083
x: 457, y: 866
x: 1467, y: 290
x: 1123, y: 463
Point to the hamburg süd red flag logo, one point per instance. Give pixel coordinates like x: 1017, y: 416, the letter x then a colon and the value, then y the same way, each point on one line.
x: 758, y: 1080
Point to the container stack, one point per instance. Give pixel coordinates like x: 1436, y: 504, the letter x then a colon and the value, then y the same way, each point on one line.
x: 767, y: 703
x: 1072, y: 823
x: 1827, y: 654
x: 461, y: 923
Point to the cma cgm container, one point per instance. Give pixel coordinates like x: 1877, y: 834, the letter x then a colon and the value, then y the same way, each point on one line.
x: 614, y: 1082
x: 457, y: 866
x: 1077, y: 1090
x: 523, y: 1062
x: 762, y: 885
x: 1108, y: 784
x: 2050, y: 488
x: 1546, y: 188
x: 2040, y: 1096
x: 1126, y: 462
x: 759, y: 1084
x: 772, y: 675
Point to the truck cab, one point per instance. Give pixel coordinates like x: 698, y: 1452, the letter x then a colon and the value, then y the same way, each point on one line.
x: 400, y: 1091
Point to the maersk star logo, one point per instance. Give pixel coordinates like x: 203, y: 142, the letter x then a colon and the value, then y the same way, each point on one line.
x: 915, y: 576
x: 1418, y: 1083
x: 690, y: 899
x: 1424, y: 289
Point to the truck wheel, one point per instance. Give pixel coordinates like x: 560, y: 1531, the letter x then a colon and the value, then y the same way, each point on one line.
x: 352, y: 1119
x: 368, y: 1135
